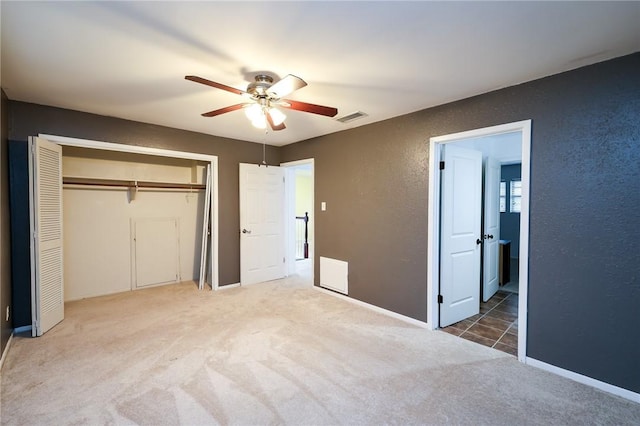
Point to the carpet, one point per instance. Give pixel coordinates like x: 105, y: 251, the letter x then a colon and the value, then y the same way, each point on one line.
x: 274, y: 353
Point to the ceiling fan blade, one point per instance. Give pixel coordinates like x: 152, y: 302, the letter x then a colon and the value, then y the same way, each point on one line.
x: 223, y: 110
x: 288, y: 84
x: 312, y: 108
x: 214, y: 84
x: 281, y: 126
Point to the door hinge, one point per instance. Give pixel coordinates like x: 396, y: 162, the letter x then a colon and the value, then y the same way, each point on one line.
x: 442, y: 165
x: 440, y: 298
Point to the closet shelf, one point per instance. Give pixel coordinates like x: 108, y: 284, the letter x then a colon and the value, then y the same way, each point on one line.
x: 129, y: 183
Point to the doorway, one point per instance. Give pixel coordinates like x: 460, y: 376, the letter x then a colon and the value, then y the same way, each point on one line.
x: 300, y: 217
x: 509, y: 142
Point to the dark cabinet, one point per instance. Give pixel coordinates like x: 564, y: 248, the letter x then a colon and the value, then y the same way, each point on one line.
x: 505, y: 261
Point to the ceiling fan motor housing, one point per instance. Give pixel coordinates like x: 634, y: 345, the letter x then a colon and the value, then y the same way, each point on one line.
x: 260, y: 86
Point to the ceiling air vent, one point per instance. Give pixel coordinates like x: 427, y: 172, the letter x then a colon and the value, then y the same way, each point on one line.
x: 350, y: 117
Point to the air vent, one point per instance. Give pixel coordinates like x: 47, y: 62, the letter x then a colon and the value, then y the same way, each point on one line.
x: 351, y: 117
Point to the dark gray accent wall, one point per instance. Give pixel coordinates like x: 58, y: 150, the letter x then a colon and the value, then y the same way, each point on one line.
x: 30, y: 119
x: 510, y: 222
x: 584, y: 279
x: 5, y: 234
x: 20, y: 231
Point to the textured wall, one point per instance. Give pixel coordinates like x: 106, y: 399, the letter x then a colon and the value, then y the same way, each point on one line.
x: 30, y: 119
x: 5, y: 234
x: 584, y: 287
x: 373, y: 180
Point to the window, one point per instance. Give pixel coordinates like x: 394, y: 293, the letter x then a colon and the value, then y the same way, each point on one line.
x: 515, y: 195
x: 503, y: 197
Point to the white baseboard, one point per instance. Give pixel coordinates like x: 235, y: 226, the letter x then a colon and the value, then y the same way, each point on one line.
x: 375, y: 308
x: 21, y: 329
x: 606, y: 387
x: 6, y: 351
x: 621, y: 392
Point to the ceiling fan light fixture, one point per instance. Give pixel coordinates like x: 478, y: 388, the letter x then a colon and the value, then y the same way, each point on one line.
x: 254, y: 112
x: 260, y: 123
x: 277, y: 116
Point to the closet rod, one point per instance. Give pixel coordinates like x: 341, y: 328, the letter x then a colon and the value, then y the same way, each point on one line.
x: 129, y: 183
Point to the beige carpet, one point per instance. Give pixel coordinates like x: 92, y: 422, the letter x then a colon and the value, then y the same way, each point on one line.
x: 274, y: 353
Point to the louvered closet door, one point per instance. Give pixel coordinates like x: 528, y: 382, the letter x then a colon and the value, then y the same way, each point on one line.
x: 47, y: 286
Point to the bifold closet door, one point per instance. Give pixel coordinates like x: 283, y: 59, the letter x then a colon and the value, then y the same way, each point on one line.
x: 156, y: 251
x: 45, y: 188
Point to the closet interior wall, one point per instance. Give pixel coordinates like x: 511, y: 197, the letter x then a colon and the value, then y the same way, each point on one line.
x: 102, y: 255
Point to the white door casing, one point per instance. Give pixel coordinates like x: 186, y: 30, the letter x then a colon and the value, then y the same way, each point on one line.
x: 262, y: 234
x: 290, y: 213
x: 47, y: 277
x: 213, y: 264
x: 290, y: 221
x: 491, y: 228
x: 523, y: 129
x: 461, y: 204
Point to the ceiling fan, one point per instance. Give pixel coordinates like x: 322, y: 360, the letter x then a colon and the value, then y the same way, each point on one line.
x: 263, y: 96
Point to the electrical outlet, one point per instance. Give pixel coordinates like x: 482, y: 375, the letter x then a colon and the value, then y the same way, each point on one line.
x: 7, y: 318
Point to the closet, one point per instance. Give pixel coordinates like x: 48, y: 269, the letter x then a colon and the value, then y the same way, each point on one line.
x: 130, y: 220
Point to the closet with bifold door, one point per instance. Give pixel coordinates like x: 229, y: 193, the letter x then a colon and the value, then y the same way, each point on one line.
x: 93, y: 218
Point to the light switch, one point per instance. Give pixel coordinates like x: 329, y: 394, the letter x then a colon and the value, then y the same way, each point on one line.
x: 323, y: 206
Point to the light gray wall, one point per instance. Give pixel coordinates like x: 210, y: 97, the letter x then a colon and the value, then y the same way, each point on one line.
x: 585, y: 210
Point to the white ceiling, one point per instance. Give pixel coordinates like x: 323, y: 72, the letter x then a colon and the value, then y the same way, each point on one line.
x: 129, y: 59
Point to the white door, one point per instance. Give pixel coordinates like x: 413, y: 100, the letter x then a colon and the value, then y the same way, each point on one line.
x: 156, y: 251
x: 261, y: 223
x: 45, y: 186
x: 460, y: 239
x: 491, y: 235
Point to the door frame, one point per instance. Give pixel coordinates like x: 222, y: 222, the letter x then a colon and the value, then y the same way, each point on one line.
x: 211, y: 159
x: 433, y: 219
x: 290, y: 204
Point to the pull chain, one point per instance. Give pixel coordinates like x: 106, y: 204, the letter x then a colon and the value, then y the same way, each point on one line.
x: 264, y: 149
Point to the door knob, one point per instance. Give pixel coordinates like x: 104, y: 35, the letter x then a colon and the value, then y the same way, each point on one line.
x: 478, y: 241
x: 245, y: 231
x: 488, y: 237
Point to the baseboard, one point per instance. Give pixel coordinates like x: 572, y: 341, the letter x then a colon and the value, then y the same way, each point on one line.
x: 6, y: 351
x: 375, y: 308
x: 606, y: 387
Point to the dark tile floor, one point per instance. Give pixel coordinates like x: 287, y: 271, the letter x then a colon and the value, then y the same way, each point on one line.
x: 495, y: 326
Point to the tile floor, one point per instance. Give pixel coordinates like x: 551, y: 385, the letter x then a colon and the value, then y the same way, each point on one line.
x: 495, y: 326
